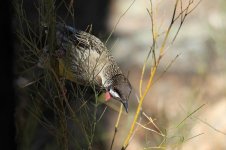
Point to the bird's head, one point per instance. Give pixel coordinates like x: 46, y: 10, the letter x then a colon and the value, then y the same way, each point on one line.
x: 119, y: 89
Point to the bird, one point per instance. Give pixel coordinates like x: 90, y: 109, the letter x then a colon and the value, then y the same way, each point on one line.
x: 84, y: 59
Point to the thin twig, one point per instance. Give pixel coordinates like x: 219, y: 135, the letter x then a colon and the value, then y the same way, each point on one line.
x: 153, y: 71
x: 113, y: 30
x: 116, y: 126
x: 190, y: 115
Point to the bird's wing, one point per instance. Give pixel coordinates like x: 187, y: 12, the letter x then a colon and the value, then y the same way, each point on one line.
x: 67, y: 34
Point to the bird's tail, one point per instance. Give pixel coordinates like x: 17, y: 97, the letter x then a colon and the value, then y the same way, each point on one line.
x: 62, y: 27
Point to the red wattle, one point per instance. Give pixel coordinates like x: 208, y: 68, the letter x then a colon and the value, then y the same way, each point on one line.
x: 107, y: 96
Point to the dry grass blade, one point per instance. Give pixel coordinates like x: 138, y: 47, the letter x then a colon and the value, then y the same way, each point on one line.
x: 149, y: 129
x: 190, y: 115
x: 209, y: 125
x: 151, y: 121
x: 193, y: 137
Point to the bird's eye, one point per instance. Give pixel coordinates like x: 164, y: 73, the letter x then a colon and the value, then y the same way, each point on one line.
x: 114, y: 93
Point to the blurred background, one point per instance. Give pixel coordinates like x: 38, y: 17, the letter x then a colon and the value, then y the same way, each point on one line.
x: 196, y: 77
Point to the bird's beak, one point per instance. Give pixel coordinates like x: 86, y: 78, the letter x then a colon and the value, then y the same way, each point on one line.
x: 125, y: 104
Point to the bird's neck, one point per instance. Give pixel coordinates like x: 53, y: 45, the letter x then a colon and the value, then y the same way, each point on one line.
x: 107, y: 74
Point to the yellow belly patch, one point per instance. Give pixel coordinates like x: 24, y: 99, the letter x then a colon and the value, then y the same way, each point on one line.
x: 64, y: 72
